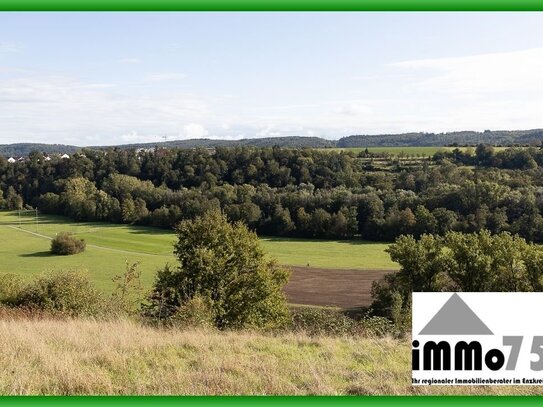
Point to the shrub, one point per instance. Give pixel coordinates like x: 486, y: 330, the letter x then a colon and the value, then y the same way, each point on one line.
x: 67, y: 293
x: 10, y: 288
x: 320, y: 321
x: 64, y: 243
x: 197, y: 312
x: 223, y: 263
x: 375, y: 326
x: 126, y: 297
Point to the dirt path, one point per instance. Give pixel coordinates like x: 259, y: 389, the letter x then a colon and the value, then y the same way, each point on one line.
x: 332, y: 287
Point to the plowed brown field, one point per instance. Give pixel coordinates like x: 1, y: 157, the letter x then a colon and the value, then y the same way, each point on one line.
x: 342, y: 288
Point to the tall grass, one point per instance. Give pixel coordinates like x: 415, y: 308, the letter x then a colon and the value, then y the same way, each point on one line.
x: 46, y: 356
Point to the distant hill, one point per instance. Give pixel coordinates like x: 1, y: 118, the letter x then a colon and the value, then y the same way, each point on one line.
x: 499, y: 137
x: 496, y: 137
x: 293, y: 141
x: 23, y: 149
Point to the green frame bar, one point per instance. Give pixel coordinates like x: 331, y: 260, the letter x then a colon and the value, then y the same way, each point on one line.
x: 300, y: 401
x: 271, y: 5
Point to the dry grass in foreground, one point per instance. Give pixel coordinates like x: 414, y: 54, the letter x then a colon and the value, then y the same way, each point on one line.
x: 41, y: 356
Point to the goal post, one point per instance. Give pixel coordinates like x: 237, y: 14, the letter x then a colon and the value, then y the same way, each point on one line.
x: 28, y: 217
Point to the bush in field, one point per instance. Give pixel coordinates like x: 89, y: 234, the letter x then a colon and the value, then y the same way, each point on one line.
x: 223, y: 264
x: 64, y: 243
x: 67, y: 293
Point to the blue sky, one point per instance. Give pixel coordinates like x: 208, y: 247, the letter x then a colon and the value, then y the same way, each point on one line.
x: 113, y: 78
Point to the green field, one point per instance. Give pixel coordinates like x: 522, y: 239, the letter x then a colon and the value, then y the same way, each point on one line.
x: 25, y: 249
x: 425, y: 151
x: 356, y: 254
x: 413, y: 151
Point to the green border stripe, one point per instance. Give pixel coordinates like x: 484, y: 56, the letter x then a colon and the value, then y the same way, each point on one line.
x: 271, y: 5
x: 369, y: 401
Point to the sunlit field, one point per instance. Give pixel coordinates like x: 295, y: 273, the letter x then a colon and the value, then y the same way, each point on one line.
x: 25, y: 249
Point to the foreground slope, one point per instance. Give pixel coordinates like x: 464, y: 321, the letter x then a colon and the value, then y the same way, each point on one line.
x: 89, y: 357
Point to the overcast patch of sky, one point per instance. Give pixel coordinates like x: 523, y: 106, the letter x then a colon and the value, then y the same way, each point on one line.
x: 108, y: 78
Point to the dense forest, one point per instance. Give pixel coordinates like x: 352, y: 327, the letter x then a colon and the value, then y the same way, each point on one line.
x: 291, y: 192
x: 500, y: 137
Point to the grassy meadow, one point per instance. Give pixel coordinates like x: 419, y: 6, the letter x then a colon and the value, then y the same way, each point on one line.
x: 56, y: 357
x: 25, y: 249
x: 416, y: 151
x: 408, y: 151
x: 346, y: 254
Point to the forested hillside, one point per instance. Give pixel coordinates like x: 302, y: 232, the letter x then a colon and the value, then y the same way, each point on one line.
x: 291, y: 192
x: 470, y: 138
x: 23, y: 149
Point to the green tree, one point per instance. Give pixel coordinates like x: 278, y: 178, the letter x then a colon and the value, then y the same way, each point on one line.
x: 79, y: 198
x: 425, y: 221
x: 281, y: 222
x: 460, y: 262
x: 128, y: 210
x: 223, y: 264
x: 13, y: 200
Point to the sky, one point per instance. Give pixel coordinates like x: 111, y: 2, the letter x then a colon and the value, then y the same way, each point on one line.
x: 117, y: 78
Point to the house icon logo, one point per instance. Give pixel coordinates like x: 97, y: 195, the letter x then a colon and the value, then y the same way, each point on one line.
x: 477, y: 338
x: 455, y: 318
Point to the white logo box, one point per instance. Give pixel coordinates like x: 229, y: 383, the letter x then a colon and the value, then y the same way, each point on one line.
x: 477, y: 338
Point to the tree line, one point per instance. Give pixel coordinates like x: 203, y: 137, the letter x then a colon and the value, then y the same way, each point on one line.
x: 472, y: 262
x: 290, y: 192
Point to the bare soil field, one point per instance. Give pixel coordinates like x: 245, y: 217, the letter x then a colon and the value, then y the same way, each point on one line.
x: 344, y: 288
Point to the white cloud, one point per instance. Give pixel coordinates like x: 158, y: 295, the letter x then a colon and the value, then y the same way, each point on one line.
x: 518, y: 71
x: 353, y: 109
x: 193, y: 130
x: 135, y: 137
x: 58, y: 109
